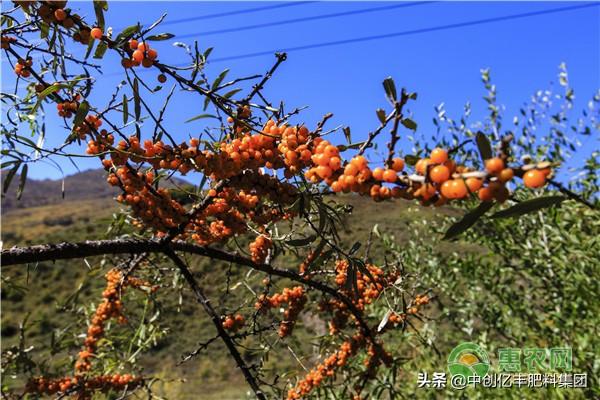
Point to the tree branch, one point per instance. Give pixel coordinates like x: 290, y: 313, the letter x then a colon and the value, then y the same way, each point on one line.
x: 216, y: 320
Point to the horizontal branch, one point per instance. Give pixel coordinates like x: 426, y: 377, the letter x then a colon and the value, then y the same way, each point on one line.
x: 64, y: 251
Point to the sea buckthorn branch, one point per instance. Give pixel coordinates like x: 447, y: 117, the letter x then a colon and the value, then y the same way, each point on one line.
x: 216, y: 319
x: 61, y: 251
x: 84, y: 383
x: 281, y: 57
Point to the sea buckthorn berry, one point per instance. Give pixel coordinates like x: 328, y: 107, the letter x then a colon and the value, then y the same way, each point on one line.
x: 152, y: 54
x: 494, y: 165
x: 389, y: 175
x: 162, y: 78
x: 378, y: 174
x: 439, y: 174
x: 60, y: 15
x: 421, y: 166
x: 96, y: 33
x: 534, y: 179
x: 138, y: 55
x: 133, y: 44
x: 506, y: 175
x: 473, y: 184
x: 397, y: 164
x: 438, y: 156
x: 147, y: 63
x: 485, y: 194
x: 454, y: 189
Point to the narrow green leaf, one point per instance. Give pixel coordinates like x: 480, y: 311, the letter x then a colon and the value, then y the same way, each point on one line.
x: 381, y: 115
x: 528, y: 206
x: 409, y: 124
x: 206, y: 102
x: 231, y: 93
x: 82, y: 111
x: 89, y: 48
x: 99, y: 7
x: 468, y: 220
x: 44, y: 29
x: 347, y: 134
x: 201, y: 116
x: 136, y: 100
x: 160, y: 36
x: 22, y: 180
x: 484, y: 145
x: 100, y: 50
x: 219, y: 79
x: 125, y: 109
x: 50, y: 89
x: 9, y: 176
x: 390, y: 89
x: 301, y: 242
x: 411, y: 159
x: 126, y: 33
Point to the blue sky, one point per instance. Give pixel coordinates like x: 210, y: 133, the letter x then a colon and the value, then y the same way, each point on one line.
x: 442, y: 66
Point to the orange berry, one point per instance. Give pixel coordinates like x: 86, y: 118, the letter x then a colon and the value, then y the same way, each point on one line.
x: 397, y: 164
x: 142, y: 47
x: 534, y: 178
x: 162, y: 78
x: 474, y: 184
x: 494, y: 165
x: 147, y: 63
x: 439, y: 174
x: 438, y: 156
x: 421, y: 166
x: 60, y: 14
x: 152, y: 54
x: 389, y: 175
x: 378, y: 174
x: 336, y: 187
x: 351, y: 169
x: 96, y: 33
x: 324, y: 171
x: 506, y: 175
x: 485, y: 194
x: 138, y: 55
x: 133, y: 44
x: 360, y: 162
x: 454, y: 189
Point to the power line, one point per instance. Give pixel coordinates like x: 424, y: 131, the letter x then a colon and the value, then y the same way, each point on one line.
x: 404, y: 33
x: 303, y: 19
x: 237, y: 12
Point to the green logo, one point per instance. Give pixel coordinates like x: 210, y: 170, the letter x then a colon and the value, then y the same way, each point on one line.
x: 468, y: 359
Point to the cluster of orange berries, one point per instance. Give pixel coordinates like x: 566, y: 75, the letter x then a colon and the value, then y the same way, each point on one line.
x: 23, y: 67
x: 294, y: 297
x: 82, y: 387
x: 327, y: 161
x: 155, y: 208
x: 419, y: 301
x: 84, y: 128
x: 5, y: 42
x: 110, y: 308
x: 102, y: 143
x: 369, y: 285
x: 327, y: 368
x: 66, y: 109
x: 234, y: 322
x: 293, y: 146
x: 142, y: 55
x: 54, y: 13
x: 259, y: 248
